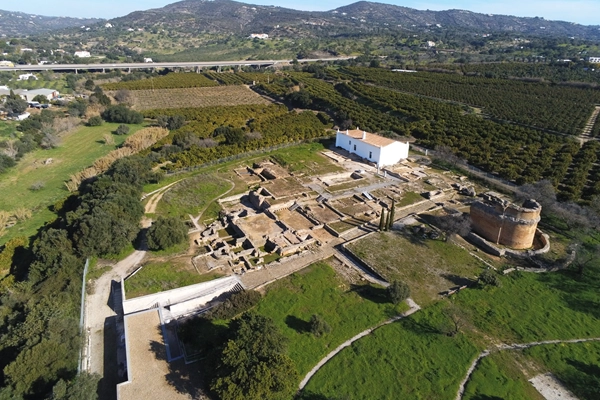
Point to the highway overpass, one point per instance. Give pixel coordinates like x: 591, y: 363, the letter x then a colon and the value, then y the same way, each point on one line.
x: 130, y: 66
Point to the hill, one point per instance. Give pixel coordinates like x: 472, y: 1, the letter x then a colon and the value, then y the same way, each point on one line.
x: 14, y: 23
x: 226, y: 16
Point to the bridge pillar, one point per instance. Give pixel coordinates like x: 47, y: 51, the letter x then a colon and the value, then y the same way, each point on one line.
x: 103, y: 70
x: 75, y: 71
x: 129, y: 69
x: 219, y: 69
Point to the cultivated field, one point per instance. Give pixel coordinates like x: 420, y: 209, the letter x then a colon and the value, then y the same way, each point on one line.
x: 149, y: 99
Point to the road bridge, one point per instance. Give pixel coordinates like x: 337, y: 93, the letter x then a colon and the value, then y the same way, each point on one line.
x: 154, y: 65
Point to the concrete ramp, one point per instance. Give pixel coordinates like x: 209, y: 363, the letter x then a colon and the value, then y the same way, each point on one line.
x: 183, y: 300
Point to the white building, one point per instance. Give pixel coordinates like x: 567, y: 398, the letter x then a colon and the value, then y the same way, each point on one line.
x: 594, y: 60
x: 29, y: 95
x: 259, y: 36
x: 147, y: 60
x: 82, y: 54
x: 375, y: 148
x: 25, y: 77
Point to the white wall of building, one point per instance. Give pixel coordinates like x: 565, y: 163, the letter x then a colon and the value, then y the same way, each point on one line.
x: 382, y: 156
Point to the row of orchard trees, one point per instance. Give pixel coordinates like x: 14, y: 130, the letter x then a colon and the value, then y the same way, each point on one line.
x: 563, y: 109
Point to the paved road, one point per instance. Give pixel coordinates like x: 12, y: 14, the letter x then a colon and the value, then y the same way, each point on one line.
x: 177, y: 64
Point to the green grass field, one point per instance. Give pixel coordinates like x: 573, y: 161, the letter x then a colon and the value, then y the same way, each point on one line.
x: 427, y: 266
x: 7, y: 128
x: 530, y: 307
x: 193, y: 195
x: 306, y: 158
x: 408, y: 359
x: 78, y: 149
x: 156, y: 277
x: 409, y: 198
x: 318, y: 289
x: 577, y: 365
x: 498, y: 376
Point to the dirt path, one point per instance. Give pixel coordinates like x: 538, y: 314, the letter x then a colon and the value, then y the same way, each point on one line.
x: 155, y: 197
x: 485, y: 353
x: 414, y: 307
x: 587, y: 130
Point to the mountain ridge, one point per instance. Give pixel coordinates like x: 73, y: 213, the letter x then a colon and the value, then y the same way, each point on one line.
x: 16, y: 23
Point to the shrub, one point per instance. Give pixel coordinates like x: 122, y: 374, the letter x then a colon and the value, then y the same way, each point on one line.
x: 120, y: 113
x: 122, y: 130
x: 318, y: 326
x: 95, y: 121
x: 489, y: 277
x: 166, y: 232
x: 236, y: 304
x: 398, y: 291
x: 39, y: 185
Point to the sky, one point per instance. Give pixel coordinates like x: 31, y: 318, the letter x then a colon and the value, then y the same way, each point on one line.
x: 585, y: 12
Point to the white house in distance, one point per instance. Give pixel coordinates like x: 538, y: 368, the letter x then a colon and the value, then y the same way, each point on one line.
x: 594, y: 60
x: 378, y: 149
x: 24, y: 77
x: 82, y: 54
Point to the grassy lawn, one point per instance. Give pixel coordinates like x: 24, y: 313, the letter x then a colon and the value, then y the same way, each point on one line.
x: 318, y: 289
x: 498, y: 376
x: 530, y: 307
x: 7, y: 128
x: 409, y: 198
x: 577, y: 365
x: 306, y: 158
x: 405, y: 360
x: 193, y: 195
x: 78, y: 149
x: 160, y: 276
x: 427, y: 266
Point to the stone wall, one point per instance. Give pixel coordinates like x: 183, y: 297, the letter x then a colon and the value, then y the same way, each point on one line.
x: 504, y: 223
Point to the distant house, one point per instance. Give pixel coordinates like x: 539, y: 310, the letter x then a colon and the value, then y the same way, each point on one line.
x: 8, y: 64
x: 29, y: 95
x: 148, y: 60
x: 378, y: 149
x: 108, y: 25
x: 259, y: 36
x: 25, y: 77
x: 430, y: 43
x: 82, y: 54
x: 594, y: 60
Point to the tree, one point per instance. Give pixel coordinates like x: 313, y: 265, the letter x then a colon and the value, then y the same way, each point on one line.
x: 300, y: 99
x: 489, y: 277
x: 83, y: 387
x: 318, y: 325
x: 382, y: 220
x: 122, y: 114
x: 253, y: 364
x: 455, y: 319
x: 89, y: 84
x: 391, y: 216
x: 95, y: 121
x: 122, y: 130
x: 123, y: 96
x: 398, y: 291
x: 388, y: 221
x: 40, y: 98
x: 166, y: 232
x: 77, y: 108
x: 14, y: 104
x: 175, y: 122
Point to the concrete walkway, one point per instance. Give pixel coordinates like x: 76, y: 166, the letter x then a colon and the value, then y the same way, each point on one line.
x: 414, y: 307
x: 503, y: 347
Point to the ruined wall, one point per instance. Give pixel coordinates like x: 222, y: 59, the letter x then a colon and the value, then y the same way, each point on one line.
x: 504, y: 223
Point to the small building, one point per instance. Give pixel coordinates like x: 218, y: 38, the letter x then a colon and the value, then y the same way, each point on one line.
x: 25, y: 77
x: 29, y: 95
x: 594, y: 60
x: 108, y: 25
x: 378, y: 149
x: 6, y: 64
x: 82, y: 54
x: 147, y: 60
x: 259, y: 36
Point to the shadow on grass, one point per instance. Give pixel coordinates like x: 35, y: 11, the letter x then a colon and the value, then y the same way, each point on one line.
x: 585, y: 381
x: 375, y: 294
x: 421, y: 326
x: 297, y: 324
x: 486, y: 397
x: 581, y: 293
x: 304, y: 395
x: 458, y: 280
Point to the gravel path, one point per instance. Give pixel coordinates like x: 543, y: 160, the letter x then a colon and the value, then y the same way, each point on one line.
x: 485, y: 353
x: 414, y: 307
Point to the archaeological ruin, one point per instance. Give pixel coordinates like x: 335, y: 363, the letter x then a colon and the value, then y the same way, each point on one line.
x: 504, y: 223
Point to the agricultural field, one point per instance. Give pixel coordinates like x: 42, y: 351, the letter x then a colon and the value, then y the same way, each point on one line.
x: 36, y: 186
x: 427, y: 266
x: 148, y: 99
x: 157, y: 276
x: 169, y: 81
x: 408, y: 359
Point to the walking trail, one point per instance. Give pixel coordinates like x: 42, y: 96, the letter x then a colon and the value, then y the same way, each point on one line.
x: 414, y: 307
x: 503, y: 347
